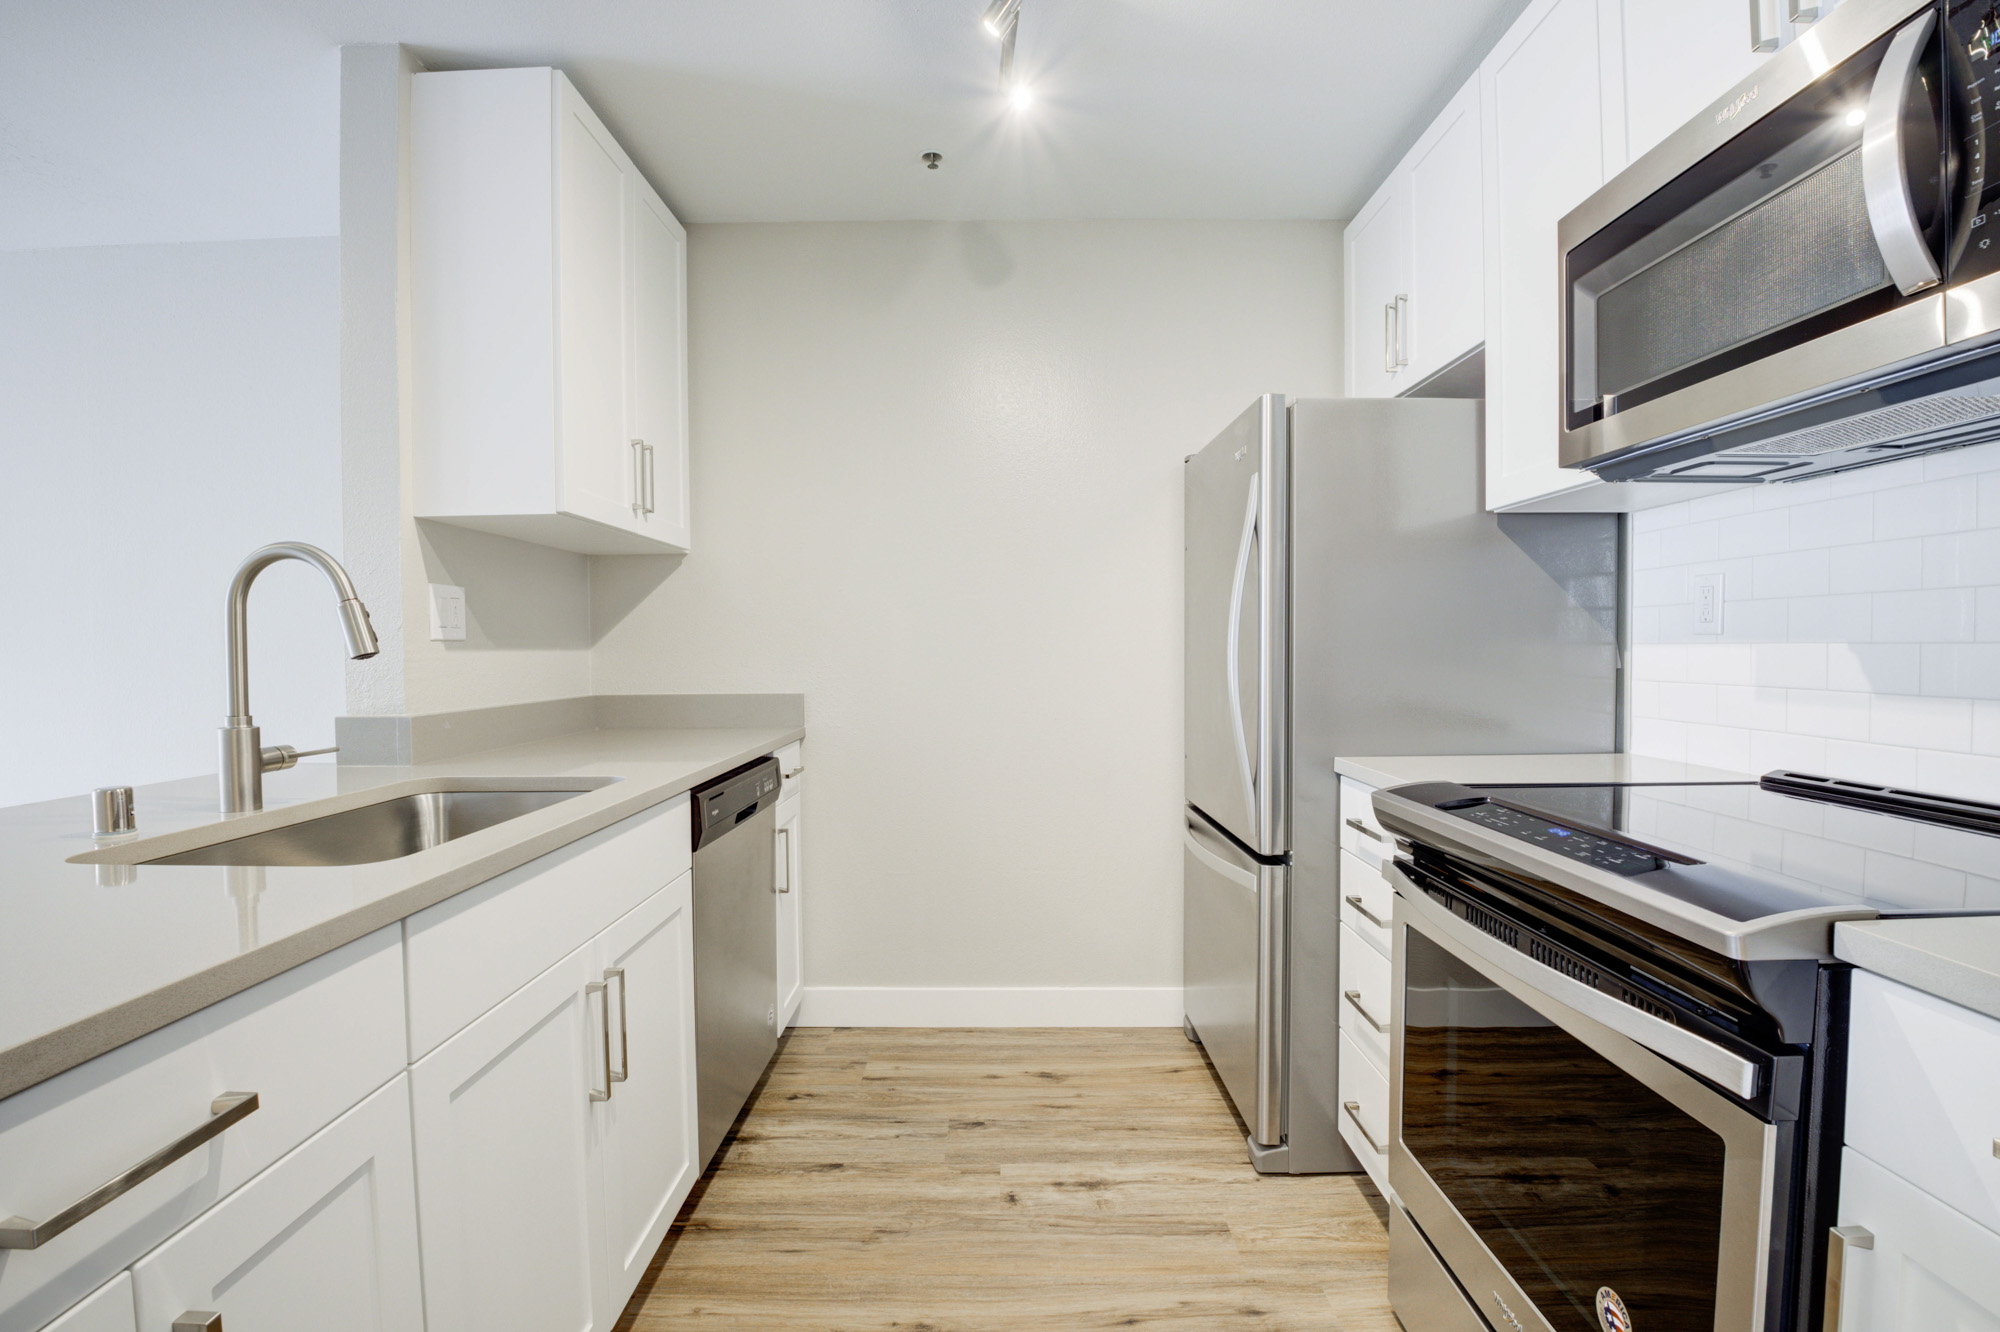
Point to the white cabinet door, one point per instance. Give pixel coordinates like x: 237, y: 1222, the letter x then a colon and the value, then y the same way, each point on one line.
x: 1931, y: 1269
x: 510, y: 1219
x: 1542, y: 91
x: 1447, y: 306
x: 791, y: 934
x: 598, y: 476
x: 107, y: 1309
x: 646, y: 1131
x: 658, y: 388
x: 323, y: 1241
x: 1377, y: 245
x: 1677, y: 59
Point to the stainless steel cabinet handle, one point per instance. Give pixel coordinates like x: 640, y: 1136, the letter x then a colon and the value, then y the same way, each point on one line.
x: 638, y: 476
x: 1764, y: 27
x: 1402, y: 331
x: 1389, y: 338
x: 652, y: 478
x: 785, y: 861
x: 1804, y: 11
x: 795, y: 772
x: 1364, y: 829
x: 1353, y: 1109
x: 603, y: 993
x: 1838, y: 1241
x: 1355, y: 901
x: 17, y: 1232
x: 1885, y: 181
x: 623, y: 1072
x: 1354, y: 997
x: 198, y: 1321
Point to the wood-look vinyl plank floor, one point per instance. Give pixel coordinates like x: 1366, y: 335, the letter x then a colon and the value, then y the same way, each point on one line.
x: 949, y: 1180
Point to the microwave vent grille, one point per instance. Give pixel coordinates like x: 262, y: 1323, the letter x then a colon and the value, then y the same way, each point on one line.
x: 1908, y: 424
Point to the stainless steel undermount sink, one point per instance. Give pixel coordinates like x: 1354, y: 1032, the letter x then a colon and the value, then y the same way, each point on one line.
x: 386, y: 830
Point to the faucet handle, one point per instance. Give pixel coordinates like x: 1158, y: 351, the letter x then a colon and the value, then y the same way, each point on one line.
x: 111, y: 811
x: 277, y: 758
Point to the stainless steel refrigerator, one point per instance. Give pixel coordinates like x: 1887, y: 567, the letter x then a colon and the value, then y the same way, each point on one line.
x: 1347, y: 594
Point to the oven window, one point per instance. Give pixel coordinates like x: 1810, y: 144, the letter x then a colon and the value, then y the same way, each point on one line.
x: 1575, y: 1175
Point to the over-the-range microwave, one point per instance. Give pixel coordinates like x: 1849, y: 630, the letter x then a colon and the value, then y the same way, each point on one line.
x: 1807, y: 277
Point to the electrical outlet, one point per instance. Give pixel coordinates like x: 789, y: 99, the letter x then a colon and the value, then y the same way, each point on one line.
x: 447, y: 613
x: 1708, y: 603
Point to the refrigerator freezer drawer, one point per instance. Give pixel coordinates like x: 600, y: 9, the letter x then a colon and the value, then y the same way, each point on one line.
x: 1219, y: 968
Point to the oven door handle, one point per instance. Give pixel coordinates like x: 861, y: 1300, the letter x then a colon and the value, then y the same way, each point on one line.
x: 1721, y: 1066
x: 1885, y: 176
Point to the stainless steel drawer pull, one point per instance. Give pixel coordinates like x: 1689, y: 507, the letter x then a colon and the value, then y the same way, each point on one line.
x: 1353, y: 1109
x: 1764, y: 30
x: 1365, y: 830
x: 638, y: 476
x: 1838, y: 1241
x: 623, y: 1072
x: 603, y: 993
x: 198, y: 1321
x: 1803, y: 11
x: 17, y: 1232
x: 1354, y: 900
x: 1354, y: 997
x: 795, y: 772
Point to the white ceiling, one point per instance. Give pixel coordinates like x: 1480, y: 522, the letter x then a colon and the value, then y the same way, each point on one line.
x: 218, y: 118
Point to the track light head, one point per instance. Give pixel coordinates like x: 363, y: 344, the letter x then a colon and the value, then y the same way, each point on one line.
x: 1000, y: 16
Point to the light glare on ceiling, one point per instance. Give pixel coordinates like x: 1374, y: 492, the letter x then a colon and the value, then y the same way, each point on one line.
x: 1021, y: 96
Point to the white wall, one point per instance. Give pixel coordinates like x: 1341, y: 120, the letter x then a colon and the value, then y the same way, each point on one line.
x: 937, y: 488
x: 164, y: 410
x: 1861, y: 634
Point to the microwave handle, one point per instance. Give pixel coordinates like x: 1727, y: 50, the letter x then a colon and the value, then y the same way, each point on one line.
x: 1892, y: 214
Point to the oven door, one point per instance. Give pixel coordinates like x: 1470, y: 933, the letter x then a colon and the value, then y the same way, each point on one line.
x: 1796, y: 237
x: 1562, y: 1168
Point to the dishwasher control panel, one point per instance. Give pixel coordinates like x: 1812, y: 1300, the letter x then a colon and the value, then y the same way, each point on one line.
x: 733, y: 798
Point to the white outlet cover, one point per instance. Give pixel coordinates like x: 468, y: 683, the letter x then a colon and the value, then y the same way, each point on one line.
x: 447, y: 613
x: 1708, y: 603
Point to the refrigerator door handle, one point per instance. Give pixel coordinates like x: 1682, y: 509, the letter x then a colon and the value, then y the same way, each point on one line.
x: 1236, y: 874
x: 1237, y: 587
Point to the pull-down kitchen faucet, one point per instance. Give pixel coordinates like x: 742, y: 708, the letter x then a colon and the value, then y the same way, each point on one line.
x: 244, y: 760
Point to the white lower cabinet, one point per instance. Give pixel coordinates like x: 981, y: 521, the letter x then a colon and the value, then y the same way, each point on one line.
x: 791, y: 935
x: 1926, y: 1268
x: 323, y: 1241
x: 106, y: 1309
x: 555, y: 1136
x: 647, y: 1130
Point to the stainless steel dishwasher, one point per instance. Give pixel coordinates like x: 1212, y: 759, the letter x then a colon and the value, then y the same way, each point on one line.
x: 735, y: 941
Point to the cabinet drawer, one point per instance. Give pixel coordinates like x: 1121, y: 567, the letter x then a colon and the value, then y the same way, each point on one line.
x: 470, y: 952
x: 311, y: 1043
x: 1364, y: 1112
x: 323, y: 1241
x: 791, y: 769
x: 1371, y: 839
x: 1931, y: 1268
x: 109, y: 1309
x: 1364, y: 997
x: 1923, y: 1093
x: 1366, y: 901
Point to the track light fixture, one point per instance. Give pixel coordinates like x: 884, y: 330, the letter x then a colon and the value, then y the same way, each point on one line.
x: 1003, y: 20
x: 1000, y: 16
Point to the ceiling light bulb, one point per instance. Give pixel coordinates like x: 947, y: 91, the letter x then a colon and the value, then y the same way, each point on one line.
x: 999, y: 14
x: 1857, y: 115
x: 1021, y: 96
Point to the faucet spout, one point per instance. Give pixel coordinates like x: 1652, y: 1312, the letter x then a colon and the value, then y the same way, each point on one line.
x: 244, y: 760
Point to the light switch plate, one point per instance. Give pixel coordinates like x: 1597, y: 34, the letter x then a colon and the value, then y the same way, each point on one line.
x: 447, y: 613
x: 1708, y: 603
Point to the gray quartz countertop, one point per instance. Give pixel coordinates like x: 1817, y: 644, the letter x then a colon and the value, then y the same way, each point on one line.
x: 88, y: 963
x: 1529, y: 769
x: 1953, y: 957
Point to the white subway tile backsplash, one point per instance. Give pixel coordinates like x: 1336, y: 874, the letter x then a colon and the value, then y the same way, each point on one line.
x: 1962, y: 462
x: 1789, y: 665
x: 1962, y: 559
x: 1961, y: 670
x: 1753, y: 707
x: 1721, y: 663
x: 1833, y: 522
x: 1843, y: 619
x: 1913, y: 883
x: 1660, y: 661
x: 1719, y: 747
x: 1825, y: 713
x: 1646, y: 550
x: 1886, y: 765
x: 1728, y: 504
x: 1874, y: 668
x: 1930, y: 507
x: 1754, y: 533
x: 1932, y: 615
x: 1986, y: 615
x: 1863, y: 829
x: 1975, y: 776
x: 1972, y: 852
x: 1691, y: 544
x: 1659, y: 738
x: 1878, y: 566
x: 1665, y: 516
x: 1921, y: 723
x: 1774, y: 749
x: 1885, y: 476
x: 1687, y: 702
x: 1830, y: 863
x: 1986, y: 728
x: 1795, y: 574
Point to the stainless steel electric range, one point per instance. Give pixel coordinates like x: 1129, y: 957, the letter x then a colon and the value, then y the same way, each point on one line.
x: 1619, y: 1040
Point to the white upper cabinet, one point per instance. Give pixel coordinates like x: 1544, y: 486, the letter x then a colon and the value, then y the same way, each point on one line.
x: 1377, y: 246
x: 1547, y: 149
x: 549, y: 325
x: 1677, y: 59
x: 1416, y: 296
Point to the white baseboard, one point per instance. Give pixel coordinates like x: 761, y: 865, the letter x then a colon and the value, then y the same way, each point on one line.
x: 1000, y: 1006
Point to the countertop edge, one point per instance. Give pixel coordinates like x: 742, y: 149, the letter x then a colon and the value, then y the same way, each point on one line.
x: 1882, y: 947
x: 58, y: 1051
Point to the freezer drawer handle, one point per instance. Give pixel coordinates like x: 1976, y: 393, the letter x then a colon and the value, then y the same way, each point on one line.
x: 17, y: 1232
x: 1838, y: 1241
x: 1364, y: 829
x: 1354, y: 997
x: 1353, y: 1109
x: 1354, y: 900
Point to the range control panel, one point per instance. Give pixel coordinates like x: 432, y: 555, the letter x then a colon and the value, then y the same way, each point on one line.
x: 1574, y: 843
